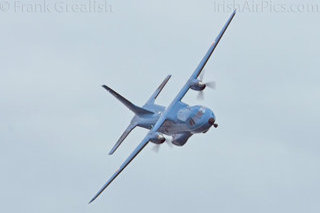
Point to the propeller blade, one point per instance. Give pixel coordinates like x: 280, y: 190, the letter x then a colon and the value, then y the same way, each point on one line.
x: 200, y: 95
x: 211, y: 84
x: 168, y: 142
x: 156, y: 148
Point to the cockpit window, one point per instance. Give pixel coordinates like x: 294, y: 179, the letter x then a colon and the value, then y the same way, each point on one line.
x: 191, y: 122
x: 184, y: 114
x: 200, y: 113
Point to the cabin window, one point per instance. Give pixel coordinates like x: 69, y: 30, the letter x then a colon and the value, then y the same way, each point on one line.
x: 184, y: 114
x: 199, y: 114
x: 191, y: 122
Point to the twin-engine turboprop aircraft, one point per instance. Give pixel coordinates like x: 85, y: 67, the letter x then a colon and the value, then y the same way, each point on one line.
x: 178, y: 120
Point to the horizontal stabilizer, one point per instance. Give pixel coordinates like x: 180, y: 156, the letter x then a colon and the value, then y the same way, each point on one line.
x: 137, y: 110
x: 122, y: 137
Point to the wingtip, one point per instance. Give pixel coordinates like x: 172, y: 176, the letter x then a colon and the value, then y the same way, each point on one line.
x: 107, y: 88
x: 234, y: 13
x: 91, y: 201
x: 168, y: 78
x: 113, y: 149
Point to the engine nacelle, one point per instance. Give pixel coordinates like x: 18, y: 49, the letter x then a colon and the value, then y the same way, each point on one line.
x: 180, y: 139
x: 157, y: 138
x: 198, y: 85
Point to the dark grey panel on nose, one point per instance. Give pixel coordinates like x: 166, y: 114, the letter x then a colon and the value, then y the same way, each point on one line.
x: 211, y: 121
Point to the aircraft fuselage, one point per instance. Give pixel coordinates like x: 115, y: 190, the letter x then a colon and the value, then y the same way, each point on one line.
x: 184, y: 120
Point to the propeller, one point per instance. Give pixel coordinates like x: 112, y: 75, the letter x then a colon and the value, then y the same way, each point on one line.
x: 156, y: 147
x: 210, y: 84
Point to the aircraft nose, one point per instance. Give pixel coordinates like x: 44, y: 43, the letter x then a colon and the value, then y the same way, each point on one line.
x: 211, y: 121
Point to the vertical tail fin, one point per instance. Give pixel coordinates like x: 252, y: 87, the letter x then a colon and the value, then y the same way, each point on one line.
x: 158, y: 90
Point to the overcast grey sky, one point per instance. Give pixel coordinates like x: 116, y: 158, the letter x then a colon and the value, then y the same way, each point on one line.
x: 58, y: 124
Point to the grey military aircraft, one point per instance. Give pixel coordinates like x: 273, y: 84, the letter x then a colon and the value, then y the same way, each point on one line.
x: 178, y: 120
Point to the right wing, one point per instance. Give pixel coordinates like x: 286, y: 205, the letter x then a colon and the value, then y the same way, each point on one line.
x: 144, y: 142
x: 123, y: 166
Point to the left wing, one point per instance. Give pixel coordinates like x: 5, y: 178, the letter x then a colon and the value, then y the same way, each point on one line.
x: 204, y: 61
x: 165, y: 114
